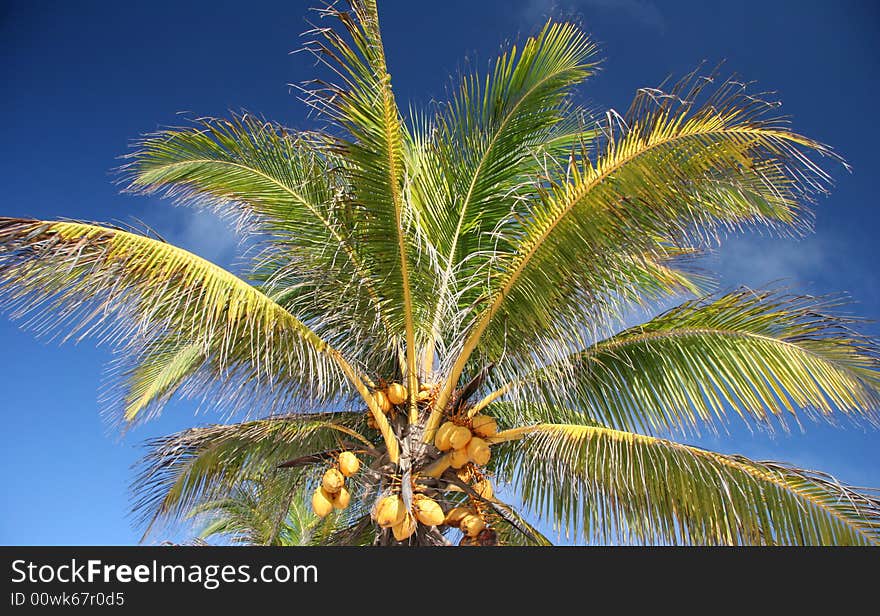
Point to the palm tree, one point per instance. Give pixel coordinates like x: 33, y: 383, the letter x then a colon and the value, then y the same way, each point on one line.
x: 447, y: 297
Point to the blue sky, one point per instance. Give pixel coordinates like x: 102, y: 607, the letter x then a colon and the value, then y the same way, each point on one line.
x: 81, y: 80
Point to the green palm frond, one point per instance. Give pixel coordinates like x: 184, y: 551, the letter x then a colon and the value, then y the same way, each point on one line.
x: 270, y: 510
x: 185, y: 469
x: 678, y: 171
x: 759, y: 354
x: 360, y: 531
x: 80, y: 279
x: 363, y: 104
x: 153, y: 379
x: 488, y: 140
x: 281, y: 186
x: 610, y: 485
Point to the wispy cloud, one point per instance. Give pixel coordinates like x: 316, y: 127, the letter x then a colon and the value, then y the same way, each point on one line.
x: 642, y: 12
x: 198, y: 231
x: 756, y: 260
x: 207, y: 235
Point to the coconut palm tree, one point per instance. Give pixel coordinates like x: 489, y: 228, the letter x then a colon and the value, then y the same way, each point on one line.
x: 449, y: 296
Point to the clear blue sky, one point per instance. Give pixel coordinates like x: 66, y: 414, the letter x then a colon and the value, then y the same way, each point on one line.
x: 82, y: 79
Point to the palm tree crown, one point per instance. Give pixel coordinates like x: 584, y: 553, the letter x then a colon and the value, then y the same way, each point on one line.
x: 445, y: 296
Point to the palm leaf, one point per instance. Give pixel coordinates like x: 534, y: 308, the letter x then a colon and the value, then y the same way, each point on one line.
x: 490, y: 137
x: 679, y: 171
x: 761, y: 355
x: 610, y: 485
x: 158, y: 375
x: 183, y: 470
x: 269, y: 510
x: 85, y: 278
x: 363, y: 105
x: 278, y: 184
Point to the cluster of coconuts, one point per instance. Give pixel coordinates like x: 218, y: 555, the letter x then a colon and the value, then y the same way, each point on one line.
x: 395, y: 395
x: 465, y: 519
x: 467, y: 444
x: 332, y: 493
x: 391, y: 513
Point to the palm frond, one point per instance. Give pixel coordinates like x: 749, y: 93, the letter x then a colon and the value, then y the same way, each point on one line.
x: 363, y: 105
x: 269, y: 510
x: 609, y: 485
x: 78, y: 279
x: 185, y: 469
x: 759, y: 354
x: 87, y: 279
x: 678, y: 171
x: 281, y: 185
x: 491, y: 136
x: 158, y: 374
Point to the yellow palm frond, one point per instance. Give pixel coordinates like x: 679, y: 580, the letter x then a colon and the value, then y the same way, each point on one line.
x: 126, y: 287
x: 615, y: 485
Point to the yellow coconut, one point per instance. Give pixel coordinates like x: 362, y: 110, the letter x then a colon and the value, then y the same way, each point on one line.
x: 404, y: 530
x: 342, y: 498
x: 332, y: 481
x: 348, y: 463
x: 423, y: 396
x: 483, y: 425
x: 427, y: 511
x: 396, y: 393
x: 471, y: 525
x: 455, y: 515
x: 426, y: 386
x: 484, y: 488
x: 468, y: 541
x: 390, y: 511
x: 322, y: 503
x: 441, y: 437
x: 478, y: 450
x: 458, y: 458
x: 459, y: 436
x: 382, y: 401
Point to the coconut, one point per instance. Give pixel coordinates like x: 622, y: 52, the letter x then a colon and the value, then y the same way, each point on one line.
x: 458, y: 458
x: 428, y: 512
x: 484, y: 489
x: 423, y: 396
x: 459, y: 437
x: 441, y: 437
x: 382, y: 401
x: 342, y: 498
x: 471, y: 525
x: 396, y: 393
x: 483, y: 425
x: 468, y: 541
x: 332, y: 481
x: 348, y: 463
x: 455, y: 515
x: 390, y: 511
x: 405, y: 528
x: 322, y: 503
x: 478, y: 450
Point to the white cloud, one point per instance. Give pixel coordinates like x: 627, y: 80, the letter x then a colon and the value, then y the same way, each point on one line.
x: 755, y: 261
x: 197, y: 230
x: 205, y: 234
